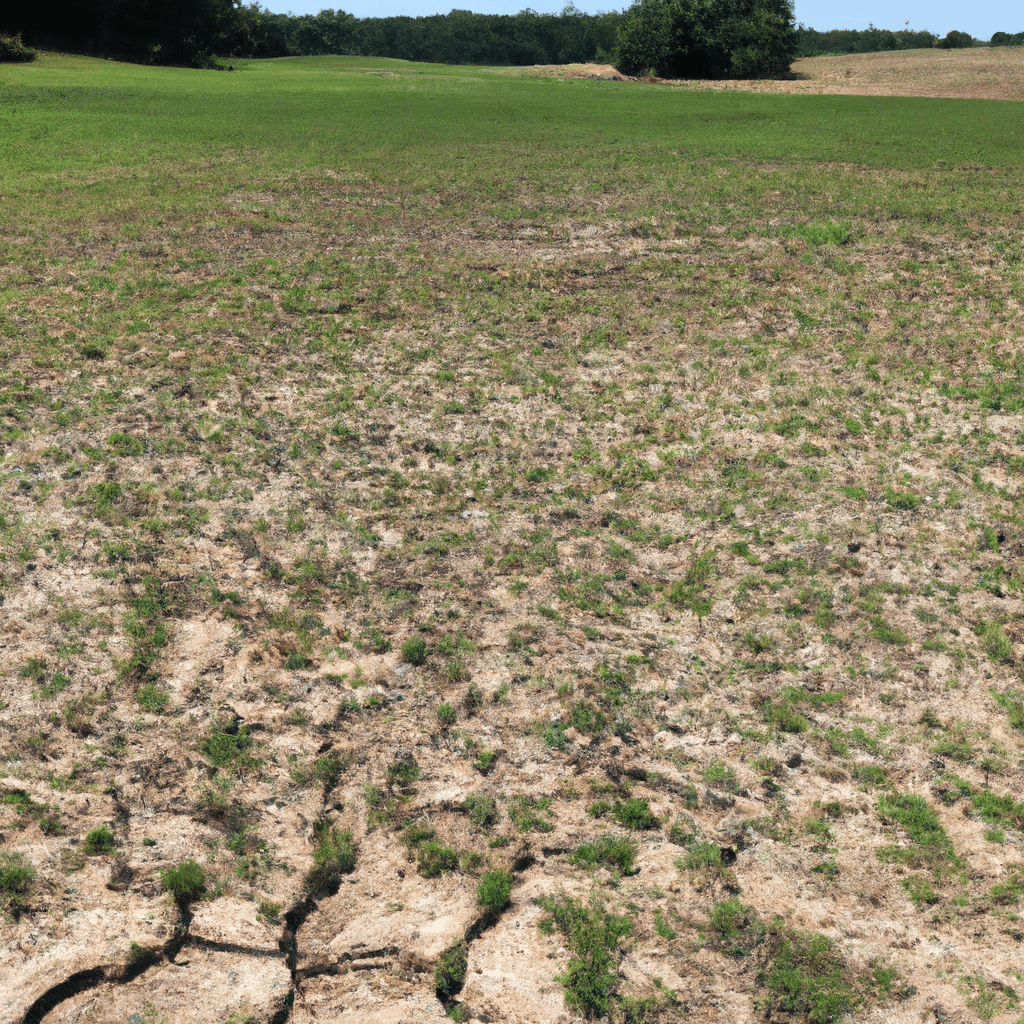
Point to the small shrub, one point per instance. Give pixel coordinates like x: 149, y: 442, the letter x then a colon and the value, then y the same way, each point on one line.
x: 185, y: 882
x: 296, y: 662
x: 14, y: 51
x: 525, y: 811
x: 485, y: 761
x: 98, y: 842
x: 592, y: 935
x: 450, y: 972
x: 151, y: 698
x: 414, y: 651
x: 613, y: 851
x: 413, y: 835
x: 446, y: 716
x: 228, y: 745
x: 920, y: 891
x: 404, y: 771
x: 729, y: 924
x: 599, y: 808
x: 334, y: 856
x: 683, y: 832
x: 16, y: 877
x: 803, y: 975
x: 702, y: 855
x: 435, y: 859
x: 494, y: 890
x: 634, y: 813
x: 482, y: 810
x: 720, y: 776
x: 901, y: 500
x: 870, y: 775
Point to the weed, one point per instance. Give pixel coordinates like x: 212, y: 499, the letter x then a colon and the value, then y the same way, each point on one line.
x: 414, y: 651
x: 720, y: 776
x: 227, y: 746
x: 435, y: 859
x: 525, y: 812
x: 404, y: 772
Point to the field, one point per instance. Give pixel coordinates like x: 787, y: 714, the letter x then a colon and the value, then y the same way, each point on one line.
x: 983, y: 73
x: 507, y: 547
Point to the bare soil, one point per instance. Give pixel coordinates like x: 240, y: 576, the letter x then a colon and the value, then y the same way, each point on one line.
x: 981, y: 74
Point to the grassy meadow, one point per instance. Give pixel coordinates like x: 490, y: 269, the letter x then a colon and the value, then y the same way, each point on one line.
x: 668, y: 441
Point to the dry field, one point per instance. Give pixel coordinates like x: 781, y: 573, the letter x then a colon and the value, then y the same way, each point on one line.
x: 507, y: 593
x: 981, y: 74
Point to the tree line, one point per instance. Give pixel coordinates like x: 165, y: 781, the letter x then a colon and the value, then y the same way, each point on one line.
x: 669, y: 38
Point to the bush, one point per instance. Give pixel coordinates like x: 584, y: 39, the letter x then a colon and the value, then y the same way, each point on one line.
x: 185, y: 882
x: 404, y: 771
x: 414, y: 650
x: 695, y: 39
x: 16, y: 877
x: 634, y: 813
x: 494, y: 890
x: 592, y: 935
x: 804, y: 975
x: 482, y: 810
x: 98, y: 842
x: 435, y: 859
x: 450, y: 972
x: 446, y: 715
x: 14, y: 51
x: 334, y: 856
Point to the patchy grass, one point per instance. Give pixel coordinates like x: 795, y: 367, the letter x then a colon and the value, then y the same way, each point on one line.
x: 393, y: 449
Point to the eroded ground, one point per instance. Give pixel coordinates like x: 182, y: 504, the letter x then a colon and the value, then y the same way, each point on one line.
x: 711, y: 539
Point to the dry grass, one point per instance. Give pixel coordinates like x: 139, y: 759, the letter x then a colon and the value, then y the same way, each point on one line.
x: 989, y: 74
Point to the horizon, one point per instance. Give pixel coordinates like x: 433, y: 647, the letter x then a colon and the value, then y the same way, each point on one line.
x: 939, y: 18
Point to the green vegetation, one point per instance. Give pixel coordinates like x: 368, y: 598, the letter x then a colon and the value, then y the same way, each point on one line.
x: 98, y: 842
x: 185, y: 882
x: 450, y: 972
x: 611, y: 851
x: 494, y: 890
x: 16, y: 877
x: 686, y: 39
x: 334, y: 855
x: 634, y: 813
x: 592, y: 935
x: 708, y: 383
x: 404, y: 771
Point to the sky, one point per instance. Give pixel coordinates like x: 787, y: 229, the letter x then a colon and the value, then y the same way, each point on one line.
x: 981, y: 20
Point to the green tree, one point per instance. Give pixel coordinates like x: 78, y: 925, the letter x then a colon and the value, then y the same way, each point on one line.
x: 707, y: 38
x: 956, y: 41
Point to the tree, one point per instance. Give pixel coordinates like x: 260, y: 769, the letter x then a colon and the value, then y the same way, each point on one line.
x: 707, y: 38
x: 957, y: 41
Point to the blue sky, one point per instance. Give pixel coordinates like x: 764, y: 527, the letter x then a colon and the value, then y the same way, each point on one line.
x: 938, y: 16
